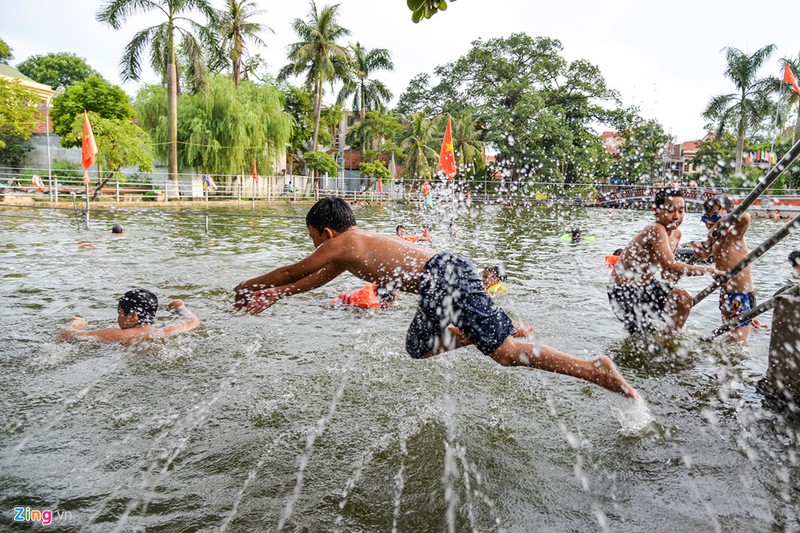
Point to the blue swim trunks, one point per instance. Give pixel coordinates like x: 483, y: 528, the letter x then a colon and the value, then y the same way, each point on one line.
x: 733, y: 304
x: 452, y: 293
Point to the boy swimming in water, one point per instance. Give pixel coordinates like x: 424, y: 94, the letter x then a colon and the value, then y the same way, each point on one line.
x: 636, y: 297
x: 736, y: 295
x: 454, y: 311
x: 136, y: 313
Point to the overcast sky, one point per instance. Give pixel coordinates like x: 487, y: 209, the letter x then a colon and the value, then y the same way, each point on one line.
x: 664, y: 57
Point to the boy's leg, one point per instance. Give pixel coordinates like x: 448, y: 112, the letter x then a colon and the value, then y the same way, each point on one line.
x: 600, y: 371
x: 678, y: 306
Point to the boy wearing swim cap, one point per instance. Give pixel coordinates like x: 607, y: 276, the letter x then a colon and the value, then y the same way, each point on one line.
x: 454, y: 310
x: 136, y: 313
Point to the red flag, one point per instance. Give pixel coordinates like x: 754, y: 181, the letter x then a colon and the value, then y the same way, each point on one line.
x: 788, y: 77
x: 88, y: 146
x: 447, y: 158
x: 255, y: 171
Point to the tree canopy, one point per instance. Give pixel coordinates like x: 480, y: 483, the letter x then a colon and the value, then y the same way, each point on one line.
x: 6, y: 53
x: 96, y: 95
x: 61, y: 69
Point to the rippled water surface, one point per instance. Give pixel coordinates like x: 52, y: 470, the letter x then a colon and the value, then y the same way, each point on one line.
x: 314, y: 419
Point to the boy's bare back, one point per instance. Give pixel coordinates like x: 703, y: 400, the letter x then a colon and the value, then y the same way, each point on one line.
x: 729, y: 250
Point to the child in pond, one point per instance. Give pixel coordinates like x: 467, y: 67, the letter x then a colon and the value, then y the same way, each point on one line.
x: 136, y: 313
x: 367, y: 297
x: 494, y: 278
x: 455, y: 310
x: 729, y: 247
x: 636, y: 297
x: 794, y: 261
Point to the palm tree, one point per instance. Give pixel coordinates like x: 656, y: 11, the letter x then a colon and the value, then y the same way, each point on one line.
x: 467, y: 145
x: 419, y: 153
x: 750, y: 104
x: 318, y: 54
x: 162, y: 42
x: 236, y: 29
x: 368, y: 94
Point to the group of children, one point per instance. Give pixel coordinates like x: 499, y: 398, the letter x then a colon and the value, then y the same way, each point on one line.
x: 640, y: 300
x: 456, y: 307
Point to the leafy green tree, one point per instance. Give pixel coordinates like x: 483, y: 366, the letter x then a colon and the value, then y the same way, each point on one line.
x: 193, y: 37
x: 318, y: 54
x: 6, y: 53
x: 715, y: 159
x: 120, y: 143
x: 96, y: 95
x: 321, y: 163
x: 374, y: 130
x: 536, y: 108
x: 367, y: 93
x: 750, y: 104
x: 642, y: 144
x: 18, y: 112
x: 224, y: 129
x: 373, y: 171
x: 58, y: 69
x: 299, y: 103
x: 237, y: 29
x: 417, y: 145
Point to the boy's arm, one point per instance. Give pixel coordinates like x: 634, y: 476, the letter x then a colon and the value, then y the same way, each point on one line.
x: 76, y: 330
x: 190, y: 322
x: 324, y: 255
x: 263, y: 299
x: 666, y: 258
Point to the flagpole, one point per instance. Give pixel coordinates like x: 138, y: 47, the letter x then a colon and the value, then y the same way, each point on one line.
x: 777, y: 113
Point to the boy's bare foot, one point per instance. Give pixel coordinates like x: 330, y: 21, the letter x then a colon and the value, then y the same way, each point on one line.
x: 608, y: 377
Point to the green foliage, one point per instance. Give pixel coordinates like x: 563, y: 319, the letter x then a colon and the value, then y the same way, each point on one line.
x: 13, y: 150
x: 237, y: 29
x: 419, y: 152
x: 643, y: 143
x: 375, y: 169
x: 222, y: 130
x: 120, y: 143
x: 744, y: 110
x: 321, y: 163
x: 425, y: 8
x: 535, y: 107
x: 58, y: 69
x: 299, y: 103
x: 367, y: 93
x: 377, y: 127
x: 18, y: 112
x: 318, y: 54
x: 6, y: 53
x: 94, y: 95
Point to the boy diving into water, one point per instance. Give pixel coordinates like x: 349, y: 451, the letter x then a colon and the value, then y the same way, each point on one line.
x: 454, y: 311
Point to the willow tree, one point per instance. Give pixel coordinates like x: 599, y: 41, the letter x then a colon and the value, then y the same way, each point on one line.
x: 318, y: 54
x: 163, y: 39
x: 750, y: 104
x: 223, y: 129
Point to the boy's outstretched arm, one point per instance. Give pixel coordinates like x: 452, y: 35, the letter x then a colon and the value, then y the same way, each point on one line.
x: 264, y: 298
x: 324, y: 255
x: 76, y: 329
x: 189, y: 323
x: 666, y: 259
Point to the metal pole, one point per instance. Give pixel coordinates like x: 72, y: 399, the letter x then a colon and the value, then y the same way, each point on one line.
x: 117, y: 190
x: 206, y: 223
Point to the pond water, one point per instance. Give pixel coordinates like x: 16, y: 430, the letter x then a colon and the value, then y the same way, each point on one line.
x: 312, y: 418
